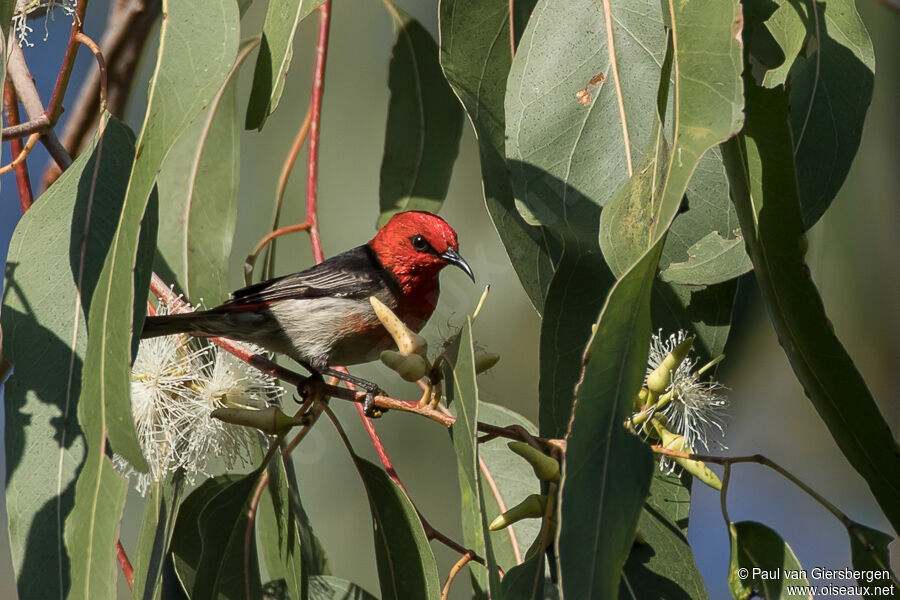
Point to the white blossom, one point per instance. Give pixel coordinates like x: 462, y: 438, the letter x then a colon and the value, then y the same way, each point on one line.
x: 24, y: 8
x: 697, y: 408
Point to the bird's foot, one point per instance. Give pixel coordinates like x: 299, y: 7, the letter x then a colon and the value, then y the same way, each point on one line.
x: 372, y: 390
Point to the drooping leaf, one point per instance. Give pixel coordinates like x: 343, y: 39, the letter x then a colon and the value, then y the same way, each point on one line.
x: 831, y: 89
x: 326, y: 587
x: 661, y: 563
x: 280, y: 535
x: 276, y: 51
x: 225, y: 570
x: 406, y: 567
x: 186, y: 541
x: 869, y: 553
x: 423, y: 127
x: 198, y: 185
x: 207, y: 33
x: 475, y: 56
x: 157, y: 525
x: 761, y: 170
x: 607, y: 470
x: 788, y: 29
x: 762, y: 564
x: 54, y: 261
x: 462, y: 391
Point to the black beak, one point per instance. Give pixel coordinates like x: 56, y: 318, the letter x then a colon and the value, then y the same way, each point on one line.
x: 452, y: 256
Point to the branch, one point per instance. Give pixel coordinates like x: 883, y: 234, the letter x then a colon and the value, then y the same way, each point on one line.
x: 23, y: 179
x: 125, y: 564
x: 312, y: 161
x: 39, y: 121
x: 462, y: 562
x: 127, y: 30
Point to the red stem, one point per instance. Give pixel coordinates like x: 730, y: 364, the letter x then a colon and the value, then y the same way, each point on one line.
x: 125, y: 564
x: 23, y: 180
x: 312, y: 162
x: 54, y: 109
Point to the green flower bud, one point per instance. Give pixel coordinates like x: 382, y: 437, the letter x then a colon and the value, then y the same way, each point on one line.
x: 410, y: 367
x: 485, y: 361
x: 269, y: 420
x: 697, y: 468
x: 546, y: 468
x: 659, y: 380
x: 531, y: 507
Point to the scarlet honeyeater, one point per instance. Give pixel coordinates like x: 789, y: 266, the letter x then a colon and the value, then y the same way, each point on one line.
x: 321, y: 317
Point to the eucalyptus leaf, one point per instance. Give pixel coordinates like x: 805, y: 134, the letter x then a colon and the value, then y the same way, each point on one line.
x: 406, y: 567
x: 157, y: 526
x: 276, y: 51
x: 198, y: 185
x: 54, y: 261
x: 423, y: 127
x: 661, y: 563
x: 607, y: 470
x: 207, y: 32
x: 869, y: 553
x: 762, y: 564
x: 326, y: 587
x: 475, y: 57
x: 761, y: 169
x: 462, y: 391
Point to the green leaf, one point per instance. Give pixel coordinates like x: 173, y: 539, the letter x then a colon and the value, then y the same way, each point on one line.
x: 707, y: 100
x: 762, y: 564
x: 607, y: 470
x: 527, y: 581
x: 869, y: 553
x: 462, y: 392
x: 788, y: 28
x: 513, y: 480
x: 198, y: 185
x: 831, y: 89
x: 157, y: 526
x: 423, y: 127
x: 711, y: 260
x: 274, y: 59
x: 186, y: 543
x: 406, y: 567
x: 661, y: 563
x: 54, y: 261
x: 224, y: 569
x: 475, y: 56
x: 761, y: 169
x: 703, y: 311
x: 326, y: 587
x: 283, y: 545
x: 206, y: 32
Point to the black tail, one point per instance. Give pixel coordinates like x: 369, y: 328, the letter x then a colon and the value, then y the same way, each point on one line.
x: 170, y: 324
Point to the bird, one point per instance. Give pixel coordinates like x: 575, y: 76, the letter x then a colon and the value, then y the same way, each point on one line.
x: 321, y: 317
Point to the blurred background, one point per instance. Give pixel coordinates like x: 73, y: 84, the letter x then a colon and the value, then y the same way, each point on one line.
x: 853, y: 257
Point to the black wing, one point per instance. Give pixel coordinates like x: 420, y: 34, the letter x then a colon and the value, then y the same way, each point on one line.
x: 355, y: 273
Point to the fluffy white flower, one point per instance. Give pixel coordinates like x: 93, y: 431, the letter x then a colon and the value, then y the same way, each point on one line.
x: 161, y: 379
x: 227, y: 383
x: 697, y: 408
x: 24, y: 8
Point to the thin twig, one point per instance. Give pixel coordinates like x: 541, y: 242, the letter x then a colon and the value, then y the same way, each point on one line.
x: 512, y: 28
x: 55, y: 107
x: 462, y: 562
x: 125, y: 564
x: 23, y: 154
x: 101, y: 66
x: 23, y: 179
x: 315, y: 106
x: 286, y: 169
x: 23, y: 82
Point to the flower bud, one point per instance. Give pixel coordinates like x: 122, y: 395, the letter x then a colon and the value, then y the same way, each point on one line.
x: 269, y: 420
x: 546, y: 468
x: 410, y: 367
x: 408, y: 341
x: 659, y: 380
x: 485, y: 361
x: 531, y: 507
x: 697, y: 468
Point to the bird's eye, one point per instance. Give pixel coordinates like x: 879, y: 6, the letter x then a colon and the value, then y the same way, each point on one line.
x: 419, y: 243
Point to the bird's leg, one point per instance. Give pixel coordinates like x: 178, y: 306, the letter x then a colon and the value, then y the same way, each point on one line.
x: 370, y: 388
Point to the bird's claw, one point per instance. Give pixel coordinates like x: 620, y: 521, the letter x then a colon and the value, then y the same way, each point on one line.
x: 369, y: 408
